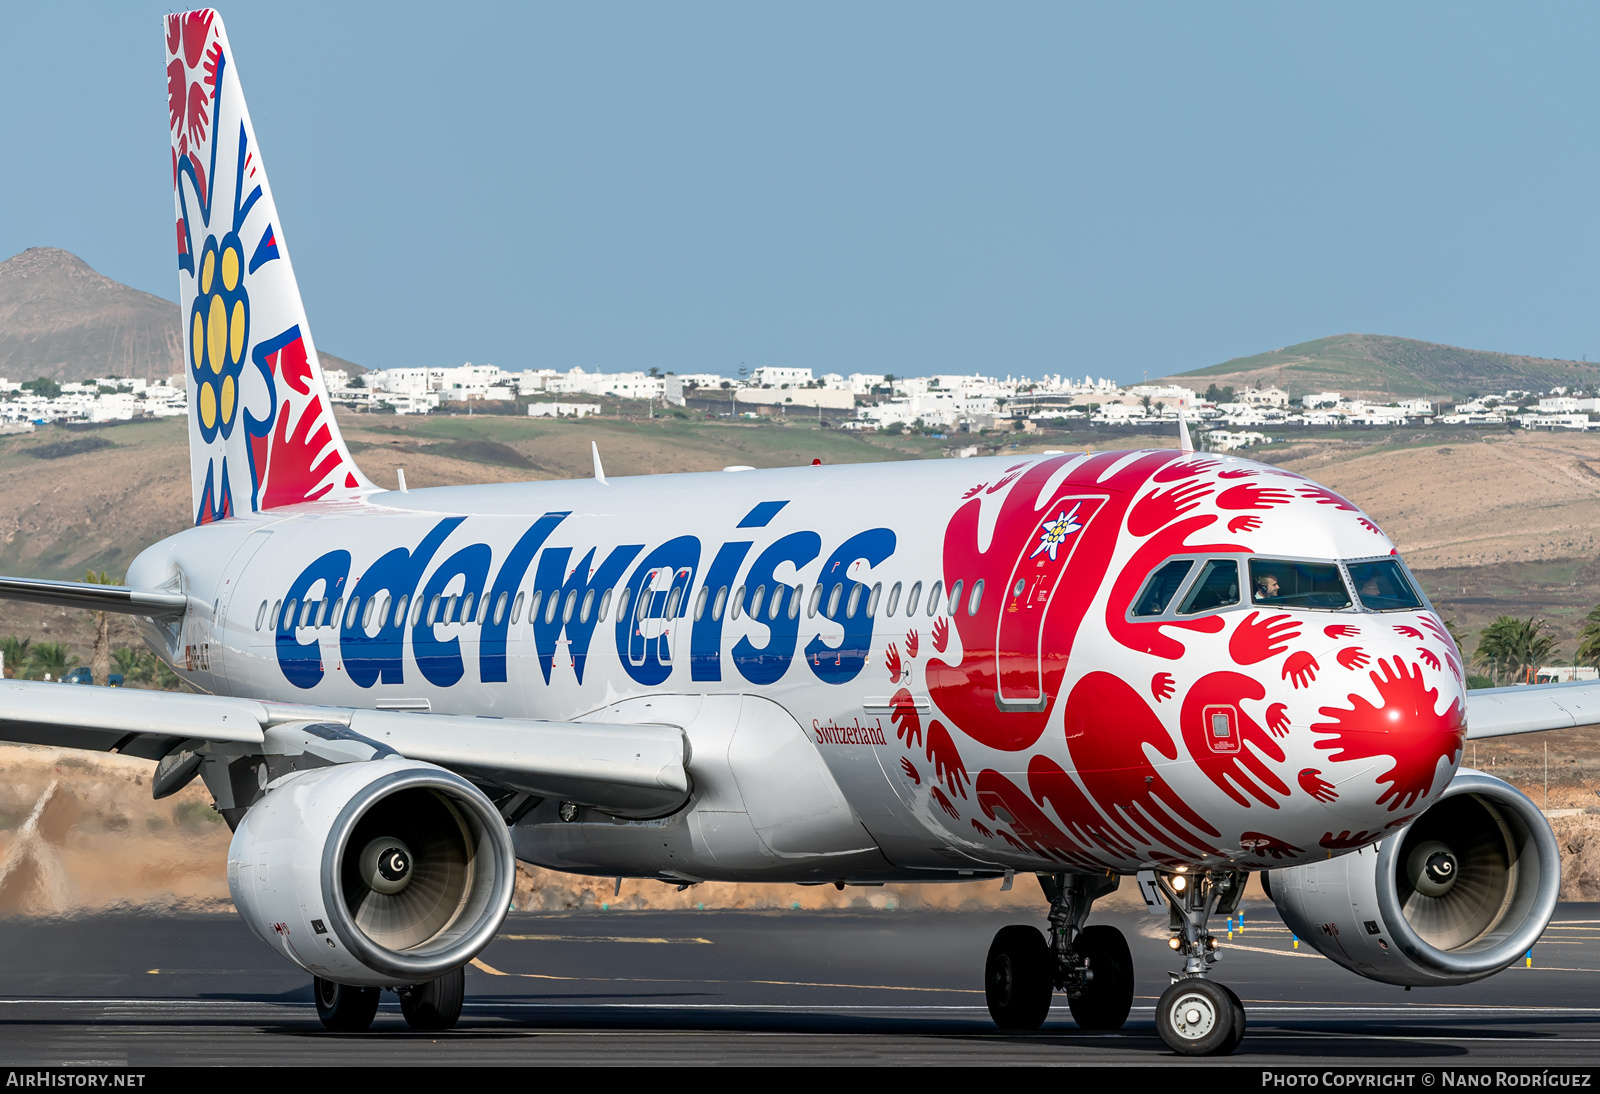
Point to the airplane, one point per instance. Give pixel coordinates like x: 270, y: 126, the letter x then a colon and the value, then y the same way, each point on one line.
x: 1165, y: 665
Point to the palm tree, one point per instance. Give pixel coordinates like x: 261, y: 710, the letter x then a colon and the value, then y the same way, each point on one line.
x: 14, y: 652
x: 49, y: 660
x: 1589, y: 639
x: 100, y: 659
x: 132, y: 664
x: 1513, y: 649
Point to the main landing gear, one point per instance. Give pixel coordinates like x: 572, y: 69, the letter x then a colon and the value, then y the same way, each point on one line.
x: 1194, y: 1016
x: 433, y: 1006
x: 1091, y: 964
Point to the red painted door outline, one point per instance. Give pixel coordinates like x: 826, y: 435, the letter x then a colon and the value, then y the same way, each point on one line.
x: 1020, y: 637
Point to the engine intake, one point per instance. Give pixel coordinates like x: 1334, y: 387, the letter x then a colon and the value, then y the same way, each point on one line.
x: 378, y: 873
x: 1457, y: 895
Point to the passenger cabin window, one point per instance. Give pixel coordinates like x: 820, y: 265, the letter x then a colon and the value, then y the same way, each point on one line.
x: 1162, y: 586
x: 912, y: 598
x: 1216, y: 587
x: 1383, y: 586
x: 894, y: 602
x: 934, y: 595
x: 1278, y: 584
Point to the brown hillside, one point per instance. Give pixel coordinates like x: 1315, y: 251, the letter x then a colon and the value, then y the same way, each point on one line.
x: 60, y: 318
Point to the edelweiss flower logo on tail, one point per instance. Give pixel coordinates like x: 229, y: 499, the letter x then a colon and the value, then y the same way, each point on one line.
x: 240, y: 301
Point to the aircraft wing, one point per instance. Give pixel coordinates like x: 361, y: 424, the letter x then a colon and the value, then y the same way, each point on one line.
x: 157, y: 603
x: 1501, y: 712
x: 635, y: 769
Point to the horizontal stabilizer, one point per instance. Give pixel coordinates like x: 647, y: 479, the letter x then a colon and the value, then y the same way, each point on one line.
x: 157, y: 603
x: 1501, y: 712
x: 636, y: 770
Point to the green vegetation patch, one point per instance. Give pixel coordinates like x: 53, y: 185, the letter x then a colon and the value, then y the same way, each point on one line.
x: 72, y: 446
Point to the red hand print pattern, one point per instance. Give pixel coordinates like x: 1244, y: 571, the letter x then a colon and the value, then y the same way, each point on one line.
x: 1240, y: 770
x: 945, y: 803
x: 1340, y: 630
x: 1300, y: 669
x: 1255, y: 641
x: 1353, y: 657
x: 1244, y: 524
x: 1404, y: 726
x: 1161, y: 686
x: 1249, y: 495
x: 946, y: 759
x: 1278, y: 719
x: 1004, y: 802
x: 1109, y: 726
x: 1347, y: 840
x: 891, y: 661
x: 913, y: 642
x: 1052, y: 786
x: 1323, y: 496
x: 1312, y: 782
x: 1185, y: 469
x: 941, y: 634
x: 910, y: 770
x: 907, y: 722
x: 1160, y: 508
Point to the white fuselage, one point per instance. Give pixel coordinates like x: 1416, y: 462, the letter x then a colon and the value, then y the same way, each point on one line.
x: 838, y: 732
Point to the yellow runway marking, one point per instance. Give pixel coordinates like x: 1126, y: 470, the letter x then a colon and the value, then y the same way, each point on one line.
x: 484, y: 967
x: 603, y: 938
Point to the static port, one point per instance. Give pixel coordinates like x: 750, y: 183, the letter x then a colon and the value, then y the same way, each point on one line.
x: 569, y: 811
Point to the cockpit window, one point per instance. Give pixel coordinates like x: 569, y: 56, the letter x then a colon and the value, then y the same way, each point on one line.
x: 1162, y: 587
x: 1280, y: 584
x: 1383, y: 586
x: 1216, y: 587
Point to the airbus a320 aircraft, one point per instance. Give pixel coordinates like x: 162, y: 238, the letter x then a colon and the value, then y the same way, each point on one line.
x: 1154, y: 664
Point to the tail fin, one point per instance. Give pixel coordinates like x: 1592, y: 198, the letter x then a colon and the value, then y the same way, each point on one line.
x: 261, y: 428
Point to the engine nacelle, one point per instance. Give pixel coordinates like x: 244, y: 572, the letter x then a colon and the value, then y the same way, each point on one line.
x: 379, y: 873
x: 1457, y: 895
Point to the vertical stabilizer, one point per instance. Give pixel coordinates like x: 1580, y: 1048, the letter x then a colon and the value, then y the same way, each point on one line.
x: 261, y: 427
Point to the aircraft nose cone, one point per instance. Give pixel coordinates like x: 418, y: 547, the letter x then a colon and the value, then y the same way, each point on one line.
x: 1407, y: 711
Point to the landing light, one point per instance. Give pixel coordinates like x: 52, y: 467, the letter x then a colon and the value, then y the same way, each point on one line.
x: 1179, y: 883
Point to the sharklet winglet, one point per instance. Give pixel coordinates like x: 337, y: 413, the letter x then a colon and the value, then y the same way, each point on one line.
x: 1184, y: 440
x: 599, y: 472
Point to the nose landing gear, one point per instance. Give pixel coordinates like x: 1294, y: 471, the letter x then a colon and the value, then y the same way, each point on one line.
x: 1194, y: 1016
x: 1091, y: 964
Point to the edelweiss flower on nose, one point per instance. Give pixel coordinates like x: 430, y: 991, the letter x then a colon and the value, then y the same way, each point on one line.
x: 1055, y: 531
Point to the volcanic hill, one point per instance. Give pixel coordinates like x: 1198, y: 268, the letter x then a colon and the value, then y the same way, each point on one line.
x: 62, y: 319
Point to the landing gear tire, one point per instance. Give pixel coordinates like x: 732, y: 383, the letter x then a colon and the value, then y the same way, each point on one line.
x: 1105, y: 1000
x: 342, y: 1008
x: 1018, y: 978
x: 1238, y: 1022
x: 1198, y: 1018
x: 435, y: 1005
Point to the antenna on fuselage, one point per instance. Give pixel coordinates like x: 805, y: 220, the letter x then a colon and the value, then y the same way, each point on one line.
x: 1184, y: 441
x: 599, y: 472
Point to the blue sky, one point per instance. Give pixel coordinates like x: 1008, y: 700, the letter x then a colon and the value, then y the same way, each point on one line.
x: 884, y: 187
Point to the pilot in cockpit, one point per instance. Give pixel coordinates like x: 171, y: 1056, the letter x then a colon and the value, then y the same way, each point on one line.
x: 1266, y: 588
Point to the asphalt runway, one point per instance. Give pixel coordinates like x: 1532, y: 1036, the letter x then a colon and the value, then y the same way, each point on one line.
x: 763, y: 988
